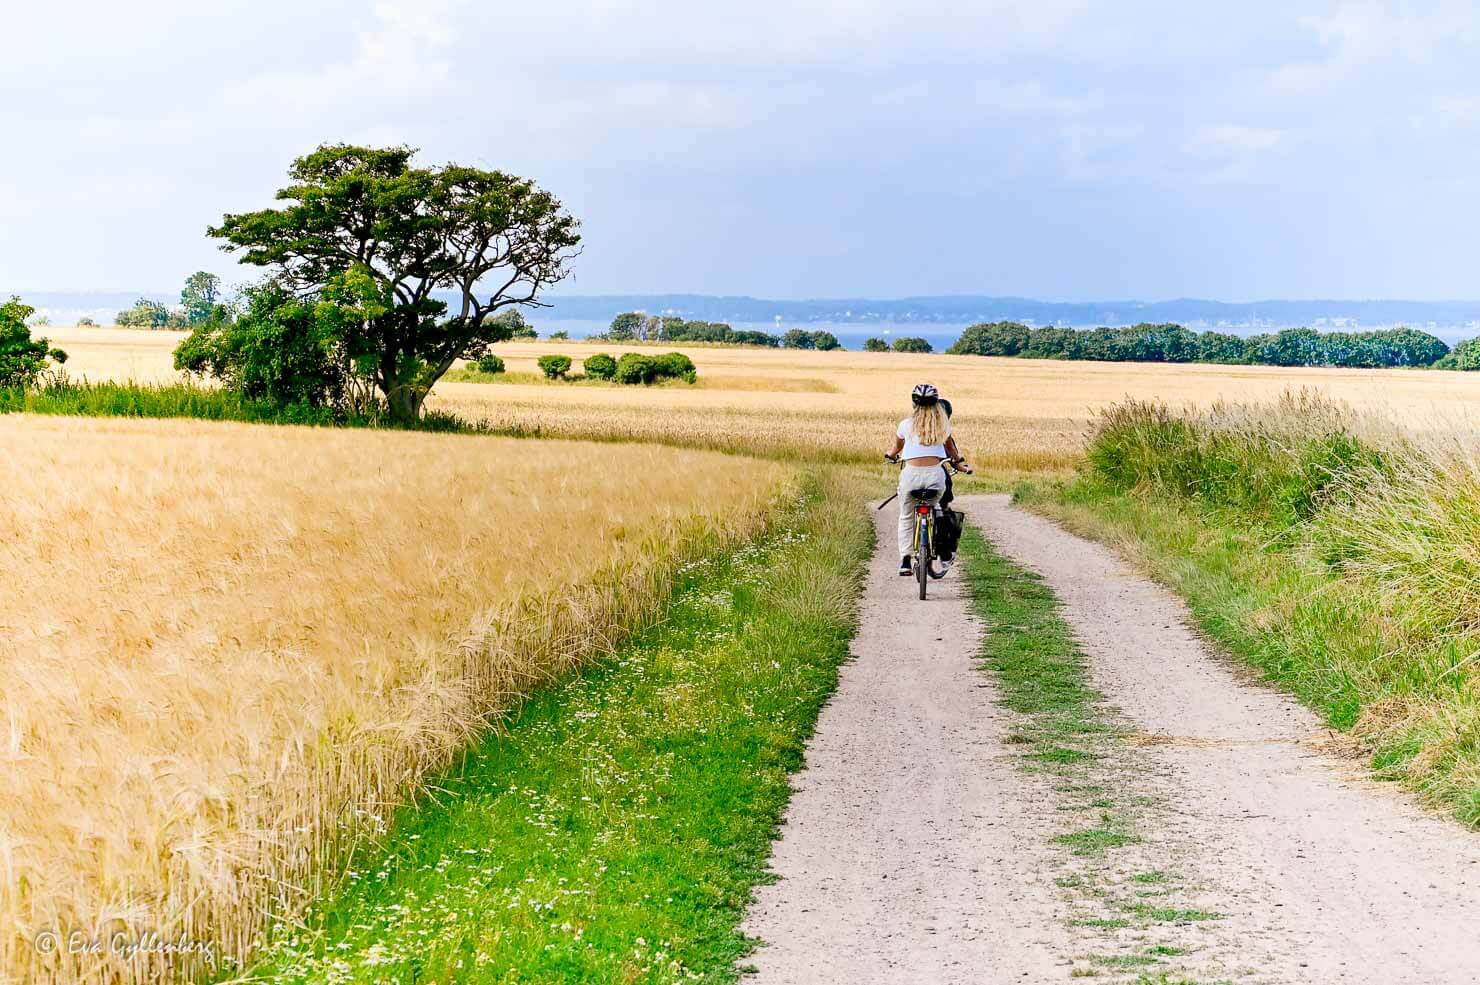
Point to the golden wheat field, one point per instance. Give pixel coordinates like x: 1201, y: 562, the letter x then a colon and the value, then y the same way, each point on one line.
x: 1012, y: 415
x: 227, y: 651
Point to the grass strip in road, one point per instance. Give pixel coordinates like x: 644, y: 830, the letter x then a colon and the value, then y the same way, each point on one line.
x: 614, y: 830
x: 1041, y: 675
x: 1069, y: 737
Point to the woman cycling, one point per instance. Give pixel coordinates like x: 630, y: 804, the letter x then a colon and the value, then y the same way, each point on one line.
x: 924, y: 439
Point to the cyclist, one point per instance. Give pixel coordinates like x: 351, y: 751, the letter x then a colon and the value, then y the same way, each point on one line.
x: 925, y: 442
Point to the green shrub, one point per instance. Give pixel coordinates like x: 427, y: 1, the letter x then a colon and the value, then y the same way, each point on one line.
x: 490, y: 364
x: 559, y: 336
x: 676, y: 365
x: 283, y: 349
x: 634, y: 367
x: 554, y: 367
x: 797, y: 338
x: 875, y: 345
x: 1465, y: 355
x: 909, y: 344
x: 600, y: 366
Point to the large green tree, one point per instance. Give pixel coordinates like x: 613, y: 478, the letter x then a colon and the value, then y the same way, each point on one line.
x: 489, y: 239
x: 200, y: 297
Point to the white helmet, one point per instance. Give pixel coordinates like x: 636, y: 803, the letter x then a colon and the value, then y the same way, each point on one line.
x: 924, y: 395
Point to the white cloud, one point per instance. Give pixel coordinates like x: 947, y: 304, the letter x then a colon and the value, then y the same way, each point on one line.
x: 397, y: 59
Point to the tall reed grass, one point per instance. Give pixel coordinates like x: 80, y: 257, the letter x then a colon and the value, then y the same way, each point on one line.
x: 227, y: 652
x: 1358, y: 546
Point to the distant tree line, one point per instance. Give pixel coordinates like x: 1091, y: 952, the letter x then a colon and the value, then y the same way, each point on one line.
x: 1170, y: 343
x: 634, y: 326
x: 904, y: 343
x: 201, y: 303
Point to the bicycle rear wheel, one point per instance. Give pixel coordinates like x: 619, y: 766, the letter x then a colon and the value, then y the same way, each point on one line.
x: 922, y: 563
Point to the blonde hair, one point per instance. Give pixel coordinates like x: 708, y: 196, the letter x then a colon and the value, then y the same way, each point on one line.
x: 930, y: 425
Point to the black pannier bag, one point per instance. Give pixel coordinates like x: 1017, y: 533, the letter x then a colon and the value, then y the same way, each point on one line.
x: 948, y: 533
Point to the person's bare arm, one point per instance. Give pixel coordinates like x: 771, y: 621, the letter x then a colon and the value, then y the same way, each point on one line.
x: 893, y: 453
x: 957, y: 459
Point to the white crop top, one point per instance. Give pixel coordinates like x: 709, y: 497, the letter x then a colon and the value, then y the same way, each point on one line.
x: 912, y: 446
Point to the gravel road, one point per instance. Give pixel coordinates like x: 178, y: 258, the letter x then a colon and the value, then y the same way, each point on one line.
x: 917, y: 850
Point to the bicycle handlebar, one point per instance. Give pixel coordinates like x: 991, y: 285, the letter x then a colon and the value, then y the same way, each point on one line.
x: 957, y: 466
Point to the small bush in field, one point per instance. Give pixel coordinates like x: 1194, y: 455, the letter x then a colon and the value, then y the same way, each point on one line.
x: 676, y: 365
x: 554, y: 367
x: 634, y: 367
x: 600, y: 366
x: 490, y: 364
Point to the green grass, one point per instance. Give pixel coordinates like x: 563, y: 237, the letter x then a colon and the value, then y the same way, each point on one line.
x: 1095, y: 841
x: 1171, y: 914
x: 614, y: 830
x: 1029, y: 649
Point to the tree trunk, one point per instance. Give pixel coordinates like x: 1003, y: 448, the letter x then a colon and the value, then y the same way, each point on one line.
x: 404, y: 404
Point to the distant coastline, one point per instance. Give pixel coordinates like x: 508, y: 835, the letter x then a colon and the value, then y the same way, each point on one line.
x: 1447, y: 319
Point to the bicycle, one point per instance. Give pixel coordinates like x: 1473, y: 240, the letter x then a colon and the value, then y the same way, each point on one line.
x: 922, y: 545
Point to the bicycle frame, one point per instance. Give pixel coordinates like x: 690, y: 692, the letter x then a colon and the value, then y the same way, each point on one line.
x: 923, y: 546
x: 924, y: 524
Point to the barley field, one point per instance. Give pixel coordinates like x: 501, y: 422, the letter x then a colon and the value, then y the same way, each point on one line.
x: 1013, y: 416
x: 228, y: 651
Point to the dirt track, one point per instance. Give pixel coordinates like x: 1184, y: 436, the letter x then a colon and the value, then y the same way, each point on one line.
x: 917, y: 850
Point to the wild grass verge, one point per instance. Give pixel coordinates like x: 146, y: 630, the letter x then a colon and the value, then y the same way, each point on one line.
x: 613, y: 829
x: 1337, y: 555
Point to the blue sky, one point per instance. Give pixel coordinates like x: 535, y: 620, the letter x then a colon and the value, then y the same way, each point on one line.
x: 1062, y: 150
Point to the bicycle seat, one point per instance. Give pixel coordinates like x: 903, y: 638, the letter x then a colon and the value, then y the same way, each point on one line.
x: 924, y: 495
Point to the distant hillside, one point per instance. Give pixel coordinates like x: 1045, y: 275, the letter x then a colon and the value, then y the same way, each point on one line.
x: 1460, y: 317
